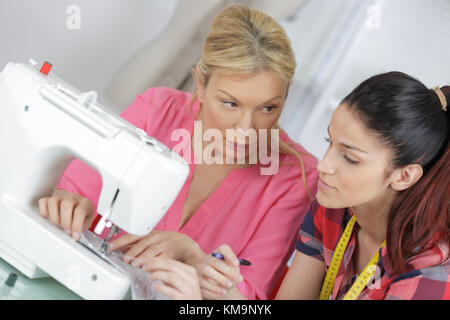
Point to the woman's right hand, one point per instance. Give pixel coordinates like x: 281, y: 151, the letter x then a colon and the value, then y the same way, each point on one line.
x: 218, y: 278
x: 73, y: 213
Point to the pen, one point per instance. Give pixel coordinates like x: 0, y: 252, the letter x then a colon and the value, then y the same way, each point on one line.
x: 242, y: 262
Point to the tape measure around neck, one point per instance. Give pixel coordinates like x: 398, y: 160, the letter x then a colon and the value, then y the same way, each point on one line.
x: 362, y: 280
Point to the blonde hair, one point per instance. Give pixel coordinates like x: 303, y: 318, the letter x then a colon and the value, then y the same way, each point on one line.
x: 245, y: 41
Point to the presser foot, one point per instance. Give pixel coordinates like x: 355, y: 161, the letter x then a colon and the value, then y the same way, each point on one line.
x: 104, y: 247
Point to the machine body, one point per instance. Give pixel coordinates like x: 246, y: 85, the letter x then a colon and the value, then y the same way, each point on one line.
x: 44, y: 124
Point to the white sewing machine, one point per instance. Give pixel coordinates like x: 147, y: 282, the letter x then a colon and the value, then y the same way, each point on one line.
x: 44, y: 124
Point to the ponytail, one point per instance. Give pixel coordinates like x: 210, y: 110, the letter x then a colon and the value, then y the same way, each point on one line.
x: 419, y: 215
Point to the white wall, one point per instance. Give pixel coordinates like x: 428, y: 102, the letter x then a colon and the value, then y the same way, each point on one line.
x: 110, y: 33
x: 340, y: 43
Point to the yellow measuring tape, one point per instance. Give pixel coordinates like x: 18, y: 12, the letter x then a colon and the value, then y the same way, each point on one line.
x: 363, y: 278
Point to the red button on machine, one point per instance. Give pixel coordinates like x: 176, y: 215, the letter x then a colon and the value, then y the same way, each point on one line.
x: 45, y: 69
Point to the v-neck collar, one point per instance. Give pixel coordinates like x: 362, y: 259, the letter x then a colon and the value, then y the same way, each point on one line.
x: 211, y: 205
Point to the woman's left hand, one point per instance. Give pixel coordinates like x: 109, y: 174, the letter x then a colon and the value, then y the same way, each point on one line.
x: 164, y: 244
x: 179, y: 281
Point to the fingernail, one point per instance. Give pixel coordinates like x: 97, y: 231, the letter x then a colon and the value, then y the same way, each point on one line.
x: 76, y: 236
x: 127, y: 259
x: 136, y: 263
x: 68, y: 231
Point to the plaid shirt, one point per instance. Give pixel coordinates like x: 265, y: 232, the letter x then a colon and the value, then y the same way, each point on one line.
x: 427, y: 276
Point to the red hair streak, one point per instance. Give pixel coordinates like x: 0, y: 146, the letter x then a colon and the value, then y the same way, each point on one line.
x: 420, y: 215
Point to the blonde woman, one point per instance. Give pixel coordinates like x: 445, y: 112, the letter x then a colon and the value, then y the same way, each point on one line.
x: 242, y: 82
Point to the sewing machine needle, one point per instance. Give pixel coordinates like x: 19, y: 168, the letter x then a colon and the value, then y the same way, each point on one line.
x: 104, y: 246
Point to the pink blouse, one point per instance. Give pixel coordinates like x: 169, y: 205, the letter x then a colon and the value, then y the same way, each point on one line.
x: 258, y: 216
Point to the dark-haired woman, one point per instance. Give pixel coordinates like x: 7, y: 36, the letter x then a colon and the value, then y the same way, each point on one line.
x: 379, y: 228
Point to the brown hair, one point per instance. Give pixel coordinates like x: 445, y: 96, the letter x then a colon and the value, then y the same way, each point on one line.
x: 419, y: 214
